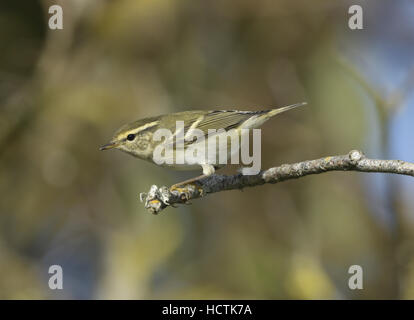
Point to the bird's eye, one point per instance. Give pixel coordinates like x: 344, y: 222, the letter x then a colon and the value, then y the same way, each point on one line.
x: 130, y: 137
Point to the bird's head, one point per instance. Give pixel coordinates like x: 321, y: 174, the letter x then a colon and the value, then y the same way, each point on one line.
x: 134, y: 138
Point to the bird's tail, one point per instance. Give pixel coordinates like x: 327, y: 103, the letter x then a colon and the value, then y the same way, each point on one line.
x: 261, y: 117
x: 274, y: 112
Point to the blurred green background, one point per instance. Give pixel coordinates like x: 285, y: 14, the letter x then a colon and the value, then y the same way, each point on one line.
x: 64, y: 92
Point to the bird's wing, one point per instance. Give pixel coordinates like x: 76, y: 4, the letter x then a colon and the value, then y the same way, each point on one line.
x: 212, y: 120
x: 223, y: 119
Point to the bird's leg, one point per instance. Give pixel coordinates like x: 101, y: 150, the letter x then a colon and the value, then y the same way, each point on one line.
x: 208, y: 170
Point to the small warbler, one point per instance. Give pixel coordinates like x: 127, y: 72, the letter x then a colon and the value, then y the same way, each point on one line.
x: 136, y: 138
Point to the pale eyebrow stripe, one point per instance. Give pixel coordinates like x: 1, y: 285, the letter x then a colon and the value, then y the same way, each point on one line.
x: 146, y: 126
x: 139, y: 129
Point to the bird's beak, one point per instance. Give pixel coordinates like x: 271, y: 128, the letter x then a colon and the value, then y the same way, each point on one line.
x: 109, y: 145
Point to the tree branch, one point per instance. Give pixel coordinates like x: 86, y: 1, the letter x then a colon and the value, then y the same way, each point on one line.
x: 158, y: 199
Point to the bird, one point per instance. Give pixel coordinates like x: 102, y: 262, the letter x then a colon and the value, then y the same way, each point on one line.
x: 138, y: 138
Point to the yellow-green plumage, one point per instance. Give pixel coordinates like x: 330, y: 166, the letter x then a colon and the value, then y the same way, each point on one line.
x: 136, y: 138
